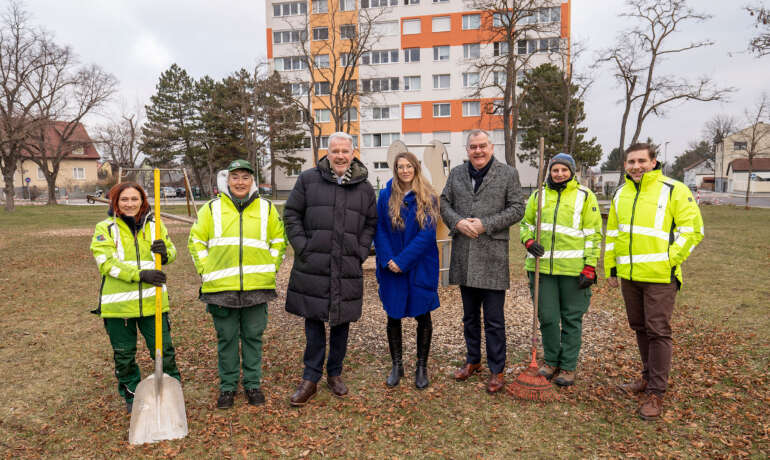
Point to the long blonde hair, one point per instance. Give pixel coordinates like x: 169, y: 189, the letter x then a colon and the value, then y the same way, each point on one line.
x: 427, y: 199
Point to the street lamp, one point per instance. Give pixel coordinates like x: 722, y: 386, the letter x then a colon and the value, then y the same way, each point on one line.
x: 665, y: 156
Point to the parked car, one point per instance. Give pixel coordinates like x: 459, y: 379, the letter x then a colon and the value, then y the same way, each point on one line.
x: 265, y: 189
x: 180, y: 192
x: 167, y: 192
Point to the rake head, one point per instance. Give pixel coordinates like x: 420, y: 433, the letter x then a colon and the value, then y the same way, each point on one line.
x: 531, y: 386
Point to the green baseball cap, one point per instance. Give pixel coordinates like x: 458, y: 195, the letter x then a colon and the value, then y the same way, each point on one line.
x: 240, y: 164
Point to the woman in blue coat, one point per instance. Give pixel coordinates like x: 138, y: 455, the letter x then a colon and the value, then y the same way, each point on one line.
x: 407, y: 261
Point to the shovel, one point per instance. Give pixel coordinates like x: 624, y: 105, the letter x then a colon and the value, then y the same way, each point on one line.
x: 158, y: 413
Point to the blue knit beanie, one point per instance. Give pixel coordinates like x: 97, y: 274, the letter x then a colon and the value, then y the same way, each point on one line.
x: 562, y: 158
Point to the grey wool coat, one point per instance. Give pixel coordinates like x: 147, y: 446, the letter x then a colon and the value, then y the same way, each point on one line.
x: 482, y: 262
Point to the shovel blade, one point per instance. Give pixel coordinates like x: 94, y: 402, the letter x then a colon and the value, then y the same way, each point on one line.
x: 157, y: 416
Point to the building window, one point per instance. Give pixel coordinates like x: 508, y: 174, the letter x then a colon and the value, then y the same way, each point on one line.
x: 379, y: 85
x: 306, y: 144
x: 378, y: 3
x: 289, y: 36
x: 40, y: 174
x: 299, y: 89
x: 471, y: 109
x: 740, y: 145
x: 321, y: 61
x: 441, y: 24
x: 350, y: 115
x: 379, y: 139
x: 412, y: 83
x: 289, y: 9
x: 471, y: 21
x: 323, y: 115
x: 381, y: 29
x: 501, y: 48
x: 320, y: 6
x: 412, y: 55
x: 347, y: 5
x: 443, y: 136
x: 471, y: 50
x: 349, y: 86
x: 322, y: 88
x: 440, y: 1
x: 411, y: 2
x: 441, y: 53
x: 442, y: 110
x: 78, y: 173
x: 320, y: 33
x: 549, y: 45
x: 412, y: 111
x: 501, y: 19
x: 290, y: 63
x: 380, y: 165
x: 388, y: 112
x: 379, y: 57
x: 470, y: 80
x: 441, y: 81
x: 293, y: 170
x: 323, y: 142
x: 411, y: 26
x: 348, y: 31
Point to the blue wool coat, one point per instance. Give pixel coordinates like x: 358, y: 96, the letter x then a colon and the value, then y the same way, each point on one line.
x: 414, y: 291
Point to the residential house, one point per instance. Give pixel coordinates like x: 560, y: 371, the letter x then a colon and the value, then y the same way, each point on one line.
x: 696, y: 172
x: 738, y: 175
x: 736, y: 146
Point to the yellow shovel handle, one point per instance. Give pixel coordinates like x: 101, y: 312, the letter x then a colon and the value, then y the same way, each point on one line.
x: 158, y: 290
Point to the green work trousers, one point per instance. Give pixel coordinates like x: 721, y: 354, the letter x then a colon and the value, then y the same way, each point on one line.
x: 561, y: 309
x: 122, y: 334
x: 246, y: 324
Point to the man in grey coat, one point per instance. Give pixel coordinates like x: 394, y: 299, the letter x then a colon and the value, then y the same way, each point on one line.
x: 481, y: 200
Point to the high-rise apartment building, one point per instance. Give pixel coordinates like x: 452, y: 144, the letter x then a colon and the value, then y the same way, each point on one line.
x: 420, y: 73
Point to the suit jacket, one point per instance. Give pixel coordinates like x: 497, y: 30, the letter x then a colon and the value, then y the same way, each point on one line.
x: 482, y: 262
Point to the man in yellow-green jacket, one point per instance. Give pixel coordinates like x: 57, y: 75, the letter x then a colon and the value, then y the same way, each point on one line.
x: 571, y: 235
x: 653, y: 226
x: 237, y: 245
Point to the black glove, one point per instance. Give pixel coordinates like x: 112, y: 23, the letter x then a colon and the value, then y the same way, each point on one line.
x: 587, y: 277
x: 155, y: 277
x: 159, y: 247
x: 534, y: 248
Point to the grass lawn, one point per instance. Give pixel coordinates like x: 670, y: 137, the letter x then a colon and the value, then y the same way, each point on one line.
x: 60, y: 398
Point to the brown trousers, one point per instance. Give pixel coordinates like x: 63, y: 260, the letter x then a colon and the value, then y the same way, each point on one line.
x: 649, y: 307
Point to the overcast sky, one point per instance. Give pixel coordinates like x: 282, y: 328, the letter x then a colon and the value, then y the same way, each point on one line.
x: 137, y: 40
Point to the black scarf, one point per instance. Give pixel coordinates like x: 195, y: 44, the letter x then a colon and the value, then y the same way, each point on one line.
x: 134, y: 223
x: 478, y: 175
x: 558, y: 186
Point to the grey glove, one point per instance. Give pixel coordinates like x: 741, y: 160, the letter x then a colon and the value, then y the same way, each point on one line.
x: 154, y: 277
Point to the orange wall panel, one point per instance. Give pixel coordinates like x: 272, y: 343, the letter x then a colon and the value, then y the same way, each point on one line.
x: 455, y: 123
x: 566, y: 20
x: 269, y: 43
x: 456, y: 36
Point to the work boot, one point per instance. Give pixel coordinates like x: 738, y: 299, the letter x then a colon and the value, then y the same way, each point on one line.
x: 335, y: 383
x: 255, y: 397
x: 548, y: 371
x: 565, y: 378
x: 225, y: 400
x: 466, y: 371
x: 424, y: 335
x: 651, y: 407
x: 305, y: 392
x: 495, y: 383
x: 633, y: 388
x: 129, y: 406
x: 396, y: 352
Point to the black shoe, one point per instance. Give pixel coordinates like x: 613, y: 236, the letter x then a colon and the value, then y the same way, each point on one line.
x: 255, y: 397
x: 129, y: 406
x: 225, y: 400
x: 424, y: 335
x: 396, y: 352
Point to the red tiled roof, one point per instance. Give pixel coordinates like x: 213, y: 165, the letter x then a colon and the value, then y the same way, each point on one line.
x: 757, y: 164
x: 79, y: 138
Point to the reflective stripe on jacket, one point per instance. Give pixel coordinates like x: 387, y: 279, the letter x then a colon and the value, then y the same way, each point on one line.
x: 237, y: 251
x: 574, y: 241
x: 120, y: 257
x: 652, y: 228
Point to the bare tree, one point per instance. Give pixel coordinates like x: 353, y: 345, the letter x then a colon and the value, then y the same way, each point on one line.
x: 119, y: 139
x: 760, y: 44
x: 517, y: 32
x: 715, y: 131
x: 639, y: 52
x: 756, y: 136
x: 330, y: 52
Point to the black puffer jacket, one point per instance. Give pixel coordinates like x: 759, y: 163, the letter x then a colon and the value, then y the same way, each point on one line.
x: 330, y: 226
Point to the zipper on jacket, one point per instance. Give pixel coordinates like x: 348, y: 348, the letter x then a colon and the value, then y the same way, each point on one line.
x: 553, y: 229
x: 631, y: 233
x: 139, y: 266
x: 240, y: 246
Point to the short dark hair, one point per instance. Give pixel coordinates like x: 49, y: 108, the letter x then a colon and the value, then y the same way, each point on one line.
x: 641, y: 146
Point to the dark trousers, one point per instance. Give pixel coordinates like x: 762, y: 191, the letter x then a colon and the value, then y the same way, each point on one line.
x: 122, y: 334
x: 649, y: 307
x: 244, y: 327
x: 315, y: 349
x: 492, y: 302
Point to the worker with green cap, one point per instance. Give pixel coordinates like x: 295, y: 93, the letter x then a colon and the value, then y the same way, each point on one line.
x: 237, y: 245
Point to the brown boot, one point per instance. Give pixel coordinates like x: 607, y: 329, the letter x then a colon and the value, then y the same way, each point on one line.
x: 652, y: 407
x: 336, y: 384
x: 547, y: 371
x: 305, y: 392
x: 565, y: 378
x: 466, y: 371
x: 495, y: 383
x: 633, y: 388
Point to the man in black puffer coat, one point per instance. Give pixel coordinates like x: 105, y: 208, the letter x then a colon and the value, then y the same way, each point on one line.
x: 330, y: 219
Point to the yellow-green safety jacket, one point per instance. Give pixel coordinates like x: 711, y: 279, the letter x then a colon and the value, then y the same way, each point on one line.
x: 237, y: 251
x: 574, y: 241
x: 120, y: 256
x: 652, y: 228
